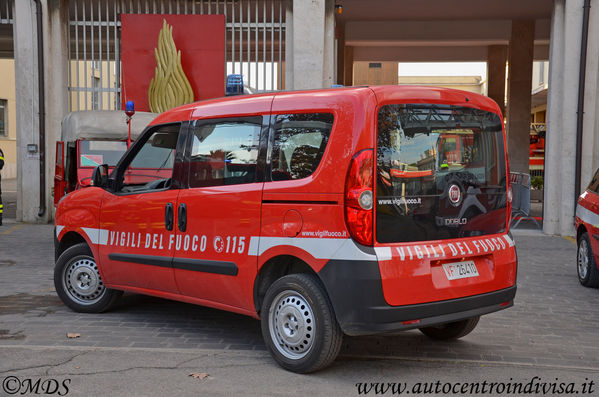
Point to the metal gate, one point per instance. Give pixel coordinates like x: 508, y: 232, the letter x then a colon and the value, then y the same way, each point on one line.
x: 6, y: 10
x: 254, y: 40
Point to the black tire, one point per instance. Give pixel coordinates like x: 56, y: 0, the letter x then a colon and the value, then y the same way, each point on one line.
x: 78, y: 282
x: 299, y: 325
x: 588, y: 274
x: 451, y: 331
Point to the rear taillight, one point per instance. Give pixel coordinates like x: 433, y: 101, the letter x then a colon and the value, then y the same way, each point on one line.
x: 359, y: 197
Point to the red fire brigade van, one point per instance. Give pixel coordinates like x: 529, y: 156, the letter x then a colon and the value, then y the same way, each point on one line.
x: 88, y: 139
x: 282, y: 206
x: 587, y: 233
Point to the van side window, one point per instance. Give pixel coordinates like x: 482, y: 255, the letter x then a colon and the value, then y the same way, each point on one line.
x: 300, y: 141
x: 151, y: 168
x: 225, y: 152
x: 594, y: 185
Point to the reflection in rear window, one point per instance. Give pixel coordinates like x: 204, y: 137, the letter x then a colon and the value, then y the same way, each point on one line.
x: 440, y: 173
x: 94, y: 153
x: 594, y: 185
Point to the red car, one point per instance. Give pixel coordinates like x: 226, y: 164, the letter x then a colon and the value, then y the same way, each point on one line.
x: 90, y: 138
x: 286, y: 207
x: 587, y: 234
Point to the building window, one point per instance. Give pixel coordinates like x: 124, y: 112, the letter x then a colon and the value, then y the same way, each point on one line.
x: 3, y: 118
x: 541, y: 73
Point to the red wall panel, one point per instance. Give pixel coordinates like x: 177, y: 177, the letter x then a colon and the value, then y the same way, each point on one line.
x: 201, y: 40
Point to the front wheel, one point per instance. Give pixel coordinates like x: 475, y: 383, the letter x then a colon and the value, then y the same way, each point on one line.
x: 78, y: 282
x: 588, y: 274
x: 299, y: 325
x: 451, y: 331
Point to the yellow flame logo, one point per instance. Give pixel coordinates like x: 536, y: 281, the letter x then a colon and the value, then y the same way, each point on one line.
x: 169, y: 87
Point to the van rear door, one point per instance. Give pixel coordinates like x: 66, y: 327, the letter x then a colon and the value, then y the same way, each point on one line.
x: 60, y: 183
x: 441, y: 202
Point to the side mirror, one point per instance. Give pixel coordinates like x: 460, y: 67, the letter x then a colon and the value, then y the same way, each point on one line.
x: 100, y: 175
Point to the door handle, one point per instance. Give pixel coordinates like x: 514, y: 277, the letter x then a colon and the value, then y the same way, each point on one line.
x: 182, y: 218
x: 168, y: 216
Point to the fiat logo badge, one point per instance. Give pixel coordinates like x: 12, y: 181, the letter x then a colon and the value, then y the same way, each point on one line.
x: 455, y: 195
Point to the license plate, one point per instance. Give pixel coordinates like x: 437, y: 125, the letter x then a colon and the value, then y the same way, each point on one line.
x: 457, y: 270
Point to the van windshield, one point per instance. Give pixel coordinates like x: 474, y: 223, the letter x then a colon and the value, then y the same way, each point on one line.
x: 440, y: 173
x: 94, y: 153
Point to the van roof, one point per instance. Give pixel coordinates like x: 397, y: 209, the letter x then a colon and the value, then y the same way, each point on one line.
x: 384, y: 94
x: 103, y: 125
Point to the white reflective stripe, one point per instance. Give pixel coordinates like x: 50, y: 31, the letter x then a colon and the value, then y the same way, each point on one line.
x: 58, y: 229
x: 96, y: 236
x: 319, y: 248
x: 350, y: 251
x: 587, y: 216
x: 509, y: 240
x: 253, y: 249
x: 103, y: 237
x: 383, y: 253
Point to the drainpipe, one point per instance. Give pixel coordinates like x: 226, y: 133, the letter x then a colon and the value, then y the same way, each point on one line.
x: 42, y: 108
x: 580, y: 110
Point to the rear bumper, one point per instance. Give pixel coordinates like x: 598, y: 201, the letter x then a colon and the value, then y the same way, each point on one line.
x: 355, y: 290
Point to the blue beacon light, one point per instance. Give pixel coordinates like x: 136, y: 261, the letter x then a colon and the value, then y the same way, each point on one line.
x: 130, y: 108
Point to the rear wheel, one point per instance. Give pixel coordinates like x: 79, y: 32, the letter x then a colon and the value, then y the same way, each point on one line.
x: 78, y: 282
x: 298, y: 324
x: 451, y: 331
x: 588, y: 274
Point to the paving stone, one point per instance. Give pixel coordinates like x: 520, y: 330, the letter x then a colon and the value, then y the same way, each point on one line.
x: 553, y: 322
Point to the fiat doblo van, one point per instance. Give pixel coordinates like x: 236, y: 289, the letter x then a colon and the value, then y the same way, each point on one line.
x: 353, y: 211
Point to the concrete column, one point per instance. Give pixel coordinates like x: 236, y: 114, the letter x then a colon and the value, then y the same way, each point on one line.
x: 56, y: 82
x: 54, y: 22
x: 310, y: 48
x: 496, y: 60
x: 328, y: 77
x: 340, y: 29
x: 560, y: 154
x: 520, y: 55
x: 590, y: 127
x: 289, y: 75
x: 26, y: 87
x: 348, y: 67
x: 552, y: 189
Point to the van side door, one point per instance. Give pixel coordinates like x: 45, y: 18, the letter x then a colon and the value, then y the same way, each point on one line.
x: 219, y: 215
x: 138, y: 218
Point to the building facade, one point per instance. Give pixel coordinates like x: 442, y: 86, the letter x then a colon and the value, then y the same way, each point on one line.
x: 8, y: 127
x: 296, y: 44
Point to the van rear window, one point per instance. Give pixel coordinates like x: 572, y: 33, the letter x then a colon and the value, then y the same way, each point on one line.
x: 440, y: 173
x: 594, y: 185
x: 94, y: 153
x: 300, y: 141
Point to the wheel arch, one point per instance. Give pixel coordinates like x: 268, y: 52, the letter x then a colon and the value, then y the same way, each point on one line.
x: 70, y: 239
x: 580, y: 231
x: 275, y: 268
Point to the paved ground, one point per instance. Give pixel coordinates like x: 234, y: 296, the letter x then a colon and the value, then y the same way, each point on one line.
x: 155, y: 344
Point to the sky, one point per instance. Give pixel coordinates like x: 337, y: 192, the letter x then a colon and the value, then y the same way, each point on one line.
x: 443, y: 69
